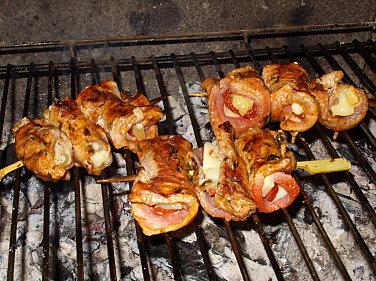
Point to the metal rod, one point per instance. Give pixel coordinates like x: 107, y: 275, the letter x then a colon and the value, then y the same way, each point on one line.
x: 76, y: 182
x: 169, y: 242
x: 288, y: 218
x: 234, y: 242
x: 255, y: 218
x: 195, y: 126
x: 4, y: 100
x: 301, y: 246
x: 171, y: 130
x: 17, y: 188
x: 47, y: 195
x: 105, y: 199
x: 324, y: 234
x: 131, y: 171
x: 342, y: 211
x: 369, y: 59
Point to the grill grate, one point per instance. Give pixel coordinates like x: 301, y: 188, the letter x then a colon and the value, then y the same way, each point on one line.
x: 316, y: 57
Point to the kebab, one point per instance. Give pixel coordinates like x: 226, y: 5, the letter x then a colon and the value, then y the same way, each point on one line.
x: 341, y: 106
x: 291, y: 101
x: 163, y: 194
x: 44, y: 149
x: 91, y: 149
x: 90, y: 144
x: 240, y: 98
x: 125, y: 120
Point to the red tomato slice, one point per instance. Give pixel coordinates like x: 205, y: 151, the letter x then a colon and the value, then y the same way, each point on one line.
x: 269, y: 203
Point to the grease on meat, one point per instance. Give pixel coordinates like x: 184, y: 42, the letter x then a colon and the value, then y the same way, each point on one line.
x: 91, y: 149
x: 44, y: 149
x: 163, y: 195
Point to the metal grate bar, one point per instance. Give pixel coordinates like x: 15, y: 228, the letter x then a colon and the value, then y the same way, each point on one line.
x: 230, y: 232
x: 352, y: 144
x: 288, y: 218
x: 105, y: 198
x: 300, y: 244
x: 323, y: 233
x: 369, y: 59
x: 255, y: 218
x: 167, y: 236
x: 345, y: 216
x: 75, y: 87
x: 17, y: 188
x: 310, y: 208
x: 332, y: 61
x: 234, y: 242
x: 4, y: 99
x: 171, y: 130
x: 356, y: 68
x: 131, y: 171
x: 47, y: 194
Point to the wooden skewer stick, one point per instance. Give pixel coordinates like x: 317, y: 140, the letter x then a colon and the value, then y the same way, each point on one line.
x: 325, y: 165
x: 313, y: 166
x: 199, y: 94
x: 10, y: 168
x: 118, y: 179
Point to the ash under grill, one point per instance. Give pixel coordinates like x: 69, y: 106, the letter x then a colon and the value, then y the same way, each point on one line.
x: 81, y: 230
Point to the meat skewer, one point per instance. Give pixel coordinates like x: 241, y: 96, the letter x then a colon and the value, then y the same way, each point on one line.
x: 224, y: 191
x: 125, y: 120
x: 268, y: 165
x: 341, y: 106
x: 240, y: 98
x: 163, y: 194
x: 291, y: 102
x: 43, y: 149
x: 91, y: 149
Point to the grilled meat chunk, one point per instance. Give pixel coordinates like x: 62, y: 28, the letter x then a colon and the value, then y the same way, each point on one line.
x: 126, y: 120
x: 341, y: 106
x: 225, y: 190
x: 91, y: 149
x: 268, y: 166
x: 44, y: 149
x: 291, y: 102
x: 240, y: 98
x: 163, y: 197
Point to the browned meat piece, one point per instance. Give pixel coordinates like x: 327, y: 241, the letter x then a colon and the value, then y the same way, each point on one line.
x: 268, y: 165
x: 162, y: 196
x: 240, y: 98
x: 91, y: 149
x: 226, y: 193
x: 44, y: 149
x: 125, y: 120
x: 341, y: 106
x: 291, y: 101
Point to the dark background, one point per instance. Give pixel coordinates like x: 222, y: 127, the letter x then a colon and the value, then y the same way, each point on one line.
x: 36, y: 21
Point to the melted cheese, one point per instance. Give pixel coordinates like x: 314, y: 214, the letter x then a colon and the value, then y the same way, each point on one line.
x: 138, y: 131
x: 268, y: 185
x: 229, y: 113
x: 211, y: 162
x: 62, y: 153
x: 99, y: 158
x: 297, y: 108
x: 347, y: 101
x: 242, y: 104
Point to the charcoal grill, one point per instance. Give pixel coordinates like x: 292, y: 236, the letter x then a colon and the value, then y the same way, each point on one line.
x: 76, y: 66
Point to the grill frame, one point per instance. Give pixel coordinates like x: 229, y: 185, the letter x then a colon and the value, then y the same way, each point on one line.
x: 75, y: 68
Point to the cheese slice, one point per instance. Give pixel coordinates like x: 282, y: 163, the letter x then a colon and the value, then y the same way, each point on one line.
x: 242, y: 104
x: 347, y: 101
x: 211, y: 162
